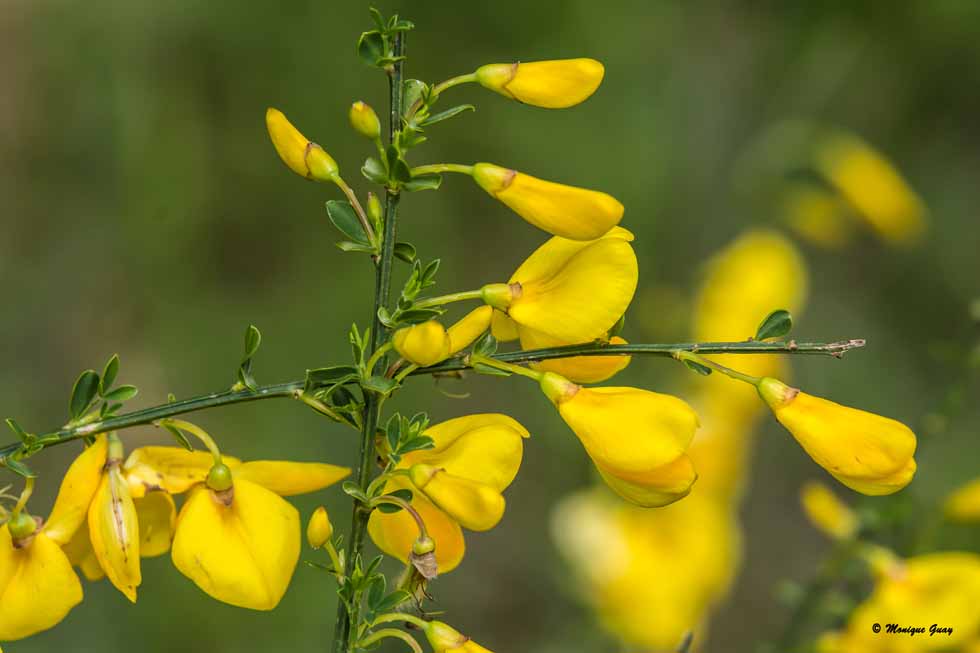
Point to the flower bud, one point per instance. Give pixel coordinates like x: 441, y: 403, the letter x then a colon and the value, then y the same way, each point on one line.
x: 963, y: 504
x: 827, y: 512
x: 219, y: 478
x: 21, y: 526
x: 365, y: 121
x: 114, y: 531
x: 374, y: 210
x: 319, y: 530
x: 475, y: 505
x: 473, y: 325
x: 549, y: 84
x: 305, y: 158
x: 443, y: 637
x: 567, y: 211
x: 866, y: 452
x: 423, y: 344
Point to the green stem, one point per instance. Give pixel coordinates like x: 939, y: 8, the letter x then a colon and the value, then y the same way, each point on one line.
x: 507, y: 367
x: 358, y: 209
x: 376, y: 356
x: 404, y: 505
x: 707, y: 362
x: 345, y: 632
x: 394, y: 617
x: 440, y: 87
x: 385, y: 633
x: 442, y: 167
x: 449, y: 299
x: 198, y: 433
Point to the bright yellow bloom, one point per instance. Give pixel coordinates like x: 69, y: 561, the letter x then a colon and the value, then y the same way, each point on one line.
x: 319, y: 530
x: 935, y: 588
x: 637, y: 439
x: 550, y: 84
x: 866, y: 452
x: 570, y: 291
x: 503, y: 328
x: 305, y: 158
x: 579, y: 369
x: 365, y: 121
x: 827, y: 512
x: 567, y: 211
x: 476, y: 458
x: 445, y: 639
x: 239, y: 545
x: 423, y: 344
x: 873, y: 186
x: 650, y: 575
x: 473, y: 325
x: 963, y: 504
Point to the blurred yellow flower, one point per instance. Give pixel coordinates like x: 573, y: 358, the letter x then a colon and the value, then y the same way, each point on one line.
x: 827, y: 512
x: 550, y: 84
x: 866, y: 452
x: 474, y: 459
x: 567, y: 211
x: 963, y: 504
x: 305, y: 158
x: 818, y: 215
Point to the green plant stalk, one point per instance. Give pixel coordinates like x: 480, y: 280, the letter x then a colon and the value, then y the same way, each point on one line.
x: 345, y: 630
x: 290, y: 389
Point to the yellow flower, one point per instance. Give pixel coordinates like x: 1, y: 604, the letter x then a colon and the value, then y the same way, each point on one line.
x: 873, y: 186
x: 423, y: 344
x: 963, y: 504
x: 319, y: 530
x: 935, y: 588
x: 474, y: 459
x: 473, y: 325
x: 570, y: 291
x: 818, y: 216
x: 305, y: 158
x: 549, y: 84
x: 827, y: 512
x: 637, y: 439
x: 866, y: 452
x: 365, y: 121
x: 239, y: 541
x: 445, y: 639
x: 650, y: 575
x: 579, y: 369
x: 567, y: 211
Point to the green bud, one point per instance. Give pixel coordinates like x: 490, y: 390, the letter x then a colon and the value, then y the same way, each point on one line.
x: 365, y: 121
x: 21, y: 526
x: 219, y: 478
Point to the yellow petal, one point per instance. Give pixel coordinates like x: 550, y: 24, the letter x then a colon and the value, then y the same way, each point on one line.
x: 473, y: 325
x: 114, y: 532
x: 476, y: 506
x: 319, y: 529
x: 157, y: 518
x: 575, y: 298
x: 80, y: 554
x: 287, y: 478
x: 629, y: 430
x: 963, y: 504
x: 579, y: 369
x: 394, y: 533
x: 502, y: 327
x: 486, y: 448
x: 37, y: 586
x: 557, y: 84
x: 567, y: 211
x: 243, y: 554
x: 77, y: 489
x: 303, y: 157
x: 827, y: 512
x: 883, y: 485
x: 656, y: 488
x: 172, y: 469
x: 423, y: 344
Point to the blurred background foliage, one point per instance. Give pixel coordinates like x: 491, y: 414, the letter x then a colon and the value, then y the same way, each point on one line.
x: 145, y: 213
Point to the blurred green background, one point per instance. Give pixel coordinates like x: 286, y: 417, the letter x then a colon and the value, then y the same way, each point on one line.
x: 145, y: 213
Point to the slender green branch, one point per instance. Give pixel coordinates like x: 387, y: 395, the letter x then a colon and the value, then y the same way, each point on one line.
x: 449, y: 299
x: 440, y: 87
x: 404, y: 617
x: 359, y: 210
x: 442, y: 167
x: 475, y: 359
x: 385, y: 633
x: 691, y: 357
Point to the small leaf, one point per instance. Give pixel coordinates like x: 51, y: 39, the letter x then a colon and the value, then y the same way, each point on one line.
x: 392, y: 601
x: 379, y: 384
x: 24, y: 436
x: 374, y: 170
x: 109, y: 374
x: 419, y: 315
x: 376, y: 591
x: 402, y: 25
x: 83, y: 393
x: 348, y: 246
x: 447, y: 114
x: 481, y: 368
x: 413, y: 90
x: 17, y: 467
x: 179, y: 437
x: 405, y: 252
x: 253, y: 338
x: 122, y: 393
x: 371, y: 47
x: 419, y: 443
x: 377, y: 18
x: 404, y: 494
x: 698, y: 367
x: 327, y: 376
x: 429, y: 274
x: 354, y: 490
x: 485, y: 345
x: 777, y: 324
x: 343, y: 217
x: 423, y: 182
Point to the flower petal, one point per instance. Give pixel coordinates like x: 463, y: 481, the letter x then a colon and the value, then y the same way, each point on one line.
x: 114, y: 533
x: 173, y: 469
x: 243, y: 554
x: 287, y: 478
x: 578, y: 369
x: 502, y: 327
x: 157, y: 517
x: 656, y: 488
x: 77, y: 489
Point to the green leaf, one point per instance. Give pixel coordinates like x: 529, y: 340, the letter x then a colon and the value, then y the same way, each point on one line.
x: 481, y: 368
x: 412, y: 91
x: 348, y: 246
x: 327, y: 376
x: 377, y: 18
x: 419, y: 315
x: 397, y: 168
x: 777, y: 324
x: 410, y: 137
x: 253, y: 338
x: 404, y: 494
x: 401, y: 25
x: 86, y: 387
x: 17, y: 467
x: 179, y: 437
x: 25, y: 437
x: 122, y: 393
x: 379, y: 384
x: 423, y: 182
x: 374, y: 170
x: 376, y: 591
x: 371, y: 48
x: 485, y: 345
x: 353, y: 489
x: 392, y: 601
x: 419, y: 443
x: 429, y: 274
x: 447, y: 114
x: 109, y: 373
x: 405, y: 252
x: 343, y: 216
x: 698, y: 367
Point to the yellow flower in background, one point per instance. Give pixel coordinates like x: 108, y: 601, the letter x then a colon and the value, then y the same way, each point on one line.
x: 637, y: 439
x: 423, y: 344
x: 873, y: 186
x: 650, y: 575
x: 445, y: 639
x: 963, y: 504
x: 935, y: 588
x: 827, y: 512
x: 305, y: 158
x: 818, y: 215
x: 239, y: 542
x: 479, y: 454
x: 550, y: 84
x: 567, y: 211
x: 866, y: 452
x: 570, y: 291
